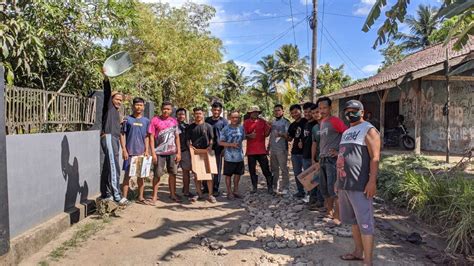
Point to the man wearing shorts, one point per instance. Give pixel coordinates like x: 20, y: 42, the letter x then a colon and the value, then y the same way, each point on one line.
x: 200, y: 134
x: 185, y: 162
x: 134, y: 141
x: 231, y: 139
x: 330, y: 133
x: 164, y: 138
x: 218, y: 123
x: 357, y: 168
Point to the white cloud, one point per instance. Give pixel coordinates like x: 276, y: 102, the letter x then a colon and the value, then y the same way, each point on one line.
x: 262, y: 14
x: 363, y: 7
x: 249, y: 67
x: 306, y: 2
x: 371, y: 69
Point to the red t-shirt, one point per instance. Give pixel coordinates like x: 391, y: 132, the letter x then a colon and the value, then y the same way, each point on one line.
x: 256, y: 146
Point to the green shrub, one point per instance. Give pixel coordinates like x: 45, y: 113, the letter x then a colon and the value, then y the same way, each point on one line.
x: 446, y: 201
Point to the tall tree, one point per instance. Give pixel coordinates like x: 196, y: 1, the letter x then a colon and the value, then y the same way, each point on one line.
x: 175, y: 56
x: 421, y: 27
x: 397, y: 13
x: 263, y: 89
x: 392, y: 54
x: 332, y: 79
x: 268, y: 64
x: 55, y: 45
x: 234, y: 83
x: 290, y: 68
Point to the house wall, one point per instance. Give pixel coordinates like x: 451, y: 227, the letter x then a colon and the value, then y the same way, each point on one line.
x: 49, y: 174
x: 433, y: 123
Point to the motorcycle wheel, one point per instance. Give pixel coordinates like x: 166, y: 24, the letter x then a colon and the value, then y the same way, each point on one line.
x: 408, y: 142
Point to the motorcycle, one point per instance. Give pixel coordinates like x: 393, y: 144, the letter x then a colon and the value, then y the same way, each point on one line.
x: 398, y: 136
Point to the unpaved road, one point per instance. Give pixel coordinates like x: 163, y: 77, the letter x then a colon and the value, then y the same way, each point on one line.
x: 172, y: 234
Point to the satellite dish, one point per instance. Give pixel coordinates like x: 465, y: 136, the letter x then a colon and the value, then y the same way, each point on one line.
x: 117, y: 64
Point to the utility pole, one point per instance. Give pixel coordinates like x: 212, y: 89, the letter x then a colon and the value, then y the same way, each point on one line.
x: 313, y: 23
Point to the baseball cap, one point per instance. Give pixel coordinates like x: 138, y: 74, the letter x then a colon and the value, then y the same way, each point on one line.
x: 354, y: 104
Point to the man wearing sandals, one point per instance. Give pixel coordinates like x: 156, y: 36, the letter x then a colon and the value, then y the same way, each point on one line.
x: 185, y: 162
x: 231, y: 139
x: 134, y: 141
x: 164, y: 138
x: 357, y: 167
x: 200, y: 134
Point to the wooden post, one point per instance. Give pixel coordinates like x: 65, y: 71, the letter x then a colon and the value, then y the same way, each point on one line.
x: 314, y: 60
x: 417, y: 86
x: 448, y: 128
x: 382, y: 113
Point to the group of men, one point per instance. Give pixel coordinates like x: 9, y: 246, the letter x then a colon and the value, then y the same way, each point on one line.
x: 348, y: 157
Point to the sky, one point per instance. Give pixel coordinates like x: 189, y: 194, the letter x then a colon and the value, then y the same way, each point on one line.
x: 251, y: 29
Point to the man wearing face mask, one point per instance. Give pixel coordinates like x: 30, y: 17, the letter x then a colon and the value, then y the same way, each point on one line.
x: 278, y: 147
x: 357, y: 167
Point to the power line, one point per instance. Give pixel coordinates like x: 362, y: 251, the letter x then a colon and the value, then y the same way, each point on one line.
x: 268, y: 43
x: 348, y: 57
x: 337, y: 52
x: 292, y: 23
x: 244, y: 36
x: 256, y: 19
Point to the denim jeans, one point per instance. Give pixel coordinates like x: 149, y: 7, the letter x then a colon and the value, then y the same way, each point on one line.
x: 328, y: 176
x: 315, y: 194
x: 297, y: 162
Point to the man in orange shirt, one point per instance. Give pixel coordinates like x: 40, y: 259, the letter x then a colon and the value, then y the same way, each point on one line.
x: 256, y: 130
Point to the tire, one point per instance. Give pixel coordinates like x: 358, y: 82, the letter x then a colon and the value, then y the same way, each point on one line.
x: 408, y: 142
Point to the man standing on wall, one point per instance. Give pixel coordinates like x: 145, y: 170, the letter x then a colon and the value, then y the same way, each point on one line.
x: 110, y: 145
x: 218, y: 123
x: 167, y: 149
x: 357, y: 168
x: 200, y: 135
x: 185, y: 162
x: 134, y: 141
x: 256, y: 130
x: 330, y: 136
x: 295, y: 134
x: 278, y: 147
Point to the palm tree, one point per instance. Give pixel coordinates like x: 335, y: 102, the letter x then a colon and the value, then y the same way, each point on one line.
x: 268, y: 65
x: 263, y: 89
x: 421, y: 27
x: 235, y: 82
x: 290, y: 68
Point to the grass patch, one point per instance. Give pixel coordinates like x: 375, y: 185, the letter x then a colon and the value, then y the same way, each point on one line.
x: 81, y: 235
x: 442, y: 200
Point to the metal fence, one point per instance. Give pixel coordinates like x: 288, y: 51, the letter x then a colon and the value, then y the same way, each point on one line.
x: 34, y: 111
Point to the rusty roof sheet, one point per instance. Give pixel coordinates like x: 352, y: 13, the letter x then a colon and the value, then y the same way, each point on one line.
x: 419, y: 60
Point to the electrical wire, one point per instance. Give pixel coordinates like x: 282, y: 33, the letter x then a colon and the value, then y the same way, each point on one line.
x: 337, y: 44
x: 268, y: 43
x: 256, y: 19
x: 322, y: 33
x: 307, y: 29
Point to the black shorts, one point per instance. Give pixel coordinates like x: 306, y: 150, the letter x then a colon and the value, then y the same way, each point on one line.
x: 233, y: 168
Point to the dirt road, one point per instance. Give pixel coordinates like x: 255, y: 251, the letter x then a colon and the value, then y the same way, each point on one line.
x: 277, y: 230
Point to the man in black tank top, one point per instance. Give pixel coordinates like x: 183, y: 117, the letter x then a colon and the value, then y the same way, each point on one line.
x: 357, y: 167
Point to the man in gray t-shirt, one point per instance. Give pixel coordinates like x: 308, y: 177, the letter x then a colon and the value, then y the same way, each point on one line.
x: 278, y: 147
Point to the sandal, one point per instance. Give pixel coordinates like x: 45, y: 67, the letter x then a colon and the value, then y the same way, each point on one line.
x: 175, y: 199
x: 237, y: 196
x: 350, y: 257
x: 230, y: 196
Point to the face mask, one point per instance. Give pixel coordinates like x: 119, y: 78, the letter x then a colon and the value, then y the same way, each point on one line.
x: 353, y: 117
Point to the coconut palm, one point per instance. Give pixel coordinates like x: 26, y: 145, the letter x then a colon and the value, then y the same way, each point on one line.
x: 290, y: 68
x: 421, y: 27
x: 263, y: 89
x: 268, y: 65
x: 235, y: 82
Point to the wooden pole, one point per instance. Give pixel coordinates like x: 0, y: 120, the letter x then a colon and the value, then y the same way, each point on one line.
x: 448, y: 129
x: 417, y: 85
x: 314, y: 62
x: 382, y: 113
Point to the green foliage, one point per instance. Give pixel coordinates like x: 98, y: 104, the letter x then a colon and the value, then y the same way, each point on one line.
x: 174, y: 54
x: 397, y: 13
x: 57, y: 43
x: 446, y: 201
x: 331, y: 79
x: 392, y: 54
x: 290, y: 68
x: 440, y: 34
x: 421, y: 27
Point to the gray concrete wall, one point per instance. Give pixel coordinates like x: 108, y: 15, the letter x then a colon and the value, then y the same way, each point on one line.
x: 4, y: 216
x: 433, y: 123
x: 49, y: 174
